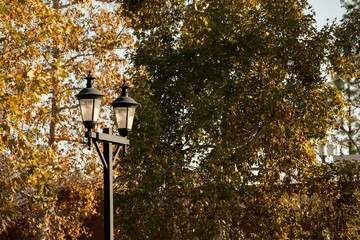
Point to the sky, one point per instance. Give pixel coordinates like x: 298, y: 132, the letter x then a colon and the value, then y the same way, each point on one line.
x: 326, y: 9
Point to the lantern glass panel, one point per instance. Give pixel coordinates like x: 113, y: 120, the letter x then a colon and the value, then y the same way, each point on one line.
x: 86, y: 106
x: 97, y: 109
x: 90, y: 109
x: 131, y: 114
x: 121, y: 117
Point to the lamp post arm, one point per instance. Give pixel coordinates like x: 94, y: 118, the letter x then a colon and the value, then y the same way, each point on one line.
x: 106, y: 137
x: 101, y: 155
x: 117, y: 150
x: 109, y: 138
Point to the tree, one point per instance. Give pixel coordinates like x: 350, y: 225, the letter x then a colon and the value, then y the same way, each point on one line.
x: 47, y: 48
x: 233, y: 102
x: 344, y: 62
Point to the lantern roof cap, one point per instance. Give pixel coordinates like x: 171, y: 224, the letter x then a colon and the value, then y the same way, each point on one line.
x: 124, y: 100
x: 89, y: 92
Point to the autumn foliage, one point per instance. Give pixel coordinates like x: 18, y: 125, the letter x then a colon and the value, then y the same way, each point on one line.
x: 47, y: 47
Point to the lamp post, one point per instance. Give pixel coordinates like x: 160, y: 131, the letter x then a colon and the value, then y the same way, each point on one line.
x: 124, y: 108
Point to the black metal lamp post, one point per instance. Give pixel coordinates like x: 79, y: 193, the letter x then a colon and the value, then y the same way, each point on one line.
x: 124, y: 108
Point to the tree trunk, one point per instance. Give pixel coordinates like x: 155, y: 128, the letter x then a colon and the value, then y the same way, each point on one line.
x: 55, y: 101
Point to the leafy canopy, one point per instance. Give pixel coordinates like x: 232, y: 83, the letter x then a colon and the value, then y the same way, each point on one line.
x: 233, y: 101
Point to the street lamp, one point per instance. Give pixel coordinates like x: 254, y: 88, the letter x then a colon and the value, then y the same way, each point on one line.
x: 124, y: 108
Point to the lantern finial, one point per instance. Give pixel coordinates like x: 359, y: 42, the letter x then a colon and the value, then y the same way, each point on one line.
x: 124, y: 89
x: 89, y: 79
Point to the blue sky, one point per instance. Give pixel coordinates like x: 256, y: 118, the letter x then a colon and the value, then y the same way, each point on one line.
x: 326, y: 9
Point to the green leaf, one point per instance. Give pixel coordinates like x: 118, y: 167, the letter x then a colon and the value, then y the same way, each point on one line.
x: 4, y: 9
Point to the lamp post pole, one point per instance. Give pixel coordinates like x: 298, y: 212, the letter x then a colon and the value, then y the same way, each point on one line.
x: 108, y: 190
x: 107, y: 157
x: 124, y: 108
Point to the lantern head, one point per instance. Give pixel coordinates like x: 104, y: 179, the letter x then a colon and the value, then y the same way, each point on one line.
x: 124, y: 109
x: 90, y: 100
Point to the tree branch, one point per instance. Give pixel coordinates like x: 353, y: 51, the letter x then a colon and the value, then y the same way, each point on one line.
x: 67, y: 107
x: 351, y: 139
x: 80, y: 55
x: 257, y: 132
x: 66, y: 5
x: 69, y: 89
